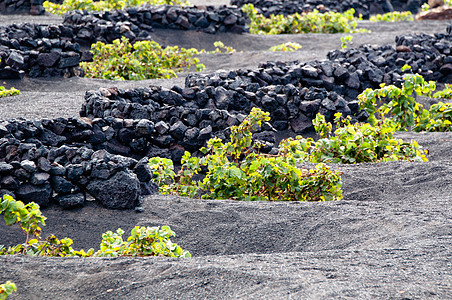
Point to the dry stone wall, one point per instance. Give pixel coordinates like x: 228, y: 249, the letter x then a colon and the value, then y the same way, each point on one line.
x: 208, y: 19
x: 56, y: 50
x: 362, y: 7
x: 63, y: 159
x: 104, y: 153
x: 33, y: 7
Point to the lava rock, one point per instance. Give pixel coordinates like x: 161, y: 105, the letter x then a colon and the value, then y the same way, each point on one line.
x: 301, y: 124
x: 39, y: 194
x: 70, y: 201
x: 121, y: 191
x: 61, y: 185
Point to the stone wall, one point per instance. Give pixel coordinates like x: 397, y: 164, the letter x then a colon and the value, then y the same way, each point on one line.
x: 209, y: 19
x: 38, y: 50
x: 55, y: 50
x: 33, y: 7
x: 63, y: 159
x: 363, y: 7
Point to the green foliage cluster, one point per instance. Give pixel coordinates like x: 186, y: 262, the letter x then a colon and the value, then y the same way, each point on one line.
x: 8, y: 92
x: 446, y: 93
x: 286, y: 47
x: 143, y: 60
x: 345, y: 40
x: 426, y: 7
x: 393, y: 16
x: 359, y: 142
x: 235, y: 170
x: 219, y: 48
x: 7, y: 289
x: 403, y: 110
x: 437, y: 118
x: 311, y: 22
x: 90, y: 5
x: 143, y: 241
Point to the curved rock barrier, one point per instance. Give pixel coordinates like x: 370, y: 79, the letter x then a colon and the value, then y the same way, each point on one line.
x: 39, y: 50
x: 208, y: 19
x: 55, y: 50
x: 63, y: 159
x: 33, y: 7
x: 267, y: 7
x: 428, y: 55
x: 362, y: 7
x: 188, y: 117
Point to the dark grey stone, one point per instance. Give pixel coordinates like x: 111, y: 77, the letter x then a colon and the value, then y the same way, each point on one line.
x: 61, y: 185
x: 72, y: 60
x: 205, y: 133
x: 230, y: 20
x: 222, y: 98
x: 15, y: 60
x: 39, y: 178
x: 70, y: 201
x: 48, y: 59
x: 39, y: 194
x: 144, y: 128
x: 267, y: 136
x: 328, y: 104
x: 301, y: 124
x: 9, y: 182
x: 353, y: 81
x: 74, y: 171
x: 121, y: 191
x: 177, y: 130
x: 5, y: 168
x: 28, y: 166
x: 161, y: 127
x: 142, y: 170
x: 310, y: 71
x: 44, y: 164
x: 100, y: 170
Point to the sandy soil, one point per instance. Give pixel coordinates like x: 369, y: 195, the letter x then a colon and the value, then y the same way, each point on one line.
x: 390, y: 237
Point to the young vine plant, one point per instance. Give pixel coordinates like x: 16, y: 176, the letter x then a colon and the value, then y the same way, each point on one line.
x: 236, y: 170
x: 286, y: 47
x: 104, y: 5
x: 143, y: 60
x: 403, y: 110
x: 394, y: 16
x: 6, y: 289
x: 143, y: 241
x: 311, y: 22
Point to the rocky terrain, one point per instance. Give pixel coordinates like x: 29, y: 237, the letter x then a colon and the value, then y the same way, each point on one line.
x: 389, y: 237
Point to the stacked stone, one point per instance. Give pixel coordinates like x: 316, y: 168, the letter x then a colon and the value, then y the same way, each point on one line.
x: 33, y: 7
x: 139, y: 21
x: 39, y: 50
x: 201, y: 108
x: 40, y: 163
x: 348, y: 72
x: 54, y: 50
x: 290, y: 7
x: 362, y: 7
x: 182, y: 119
x: 329, y: 75
x: 428, y: 55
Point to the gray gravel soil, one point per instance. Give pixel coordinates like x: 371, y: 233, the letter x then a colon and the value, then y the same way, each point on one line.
x: 389, y: 238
